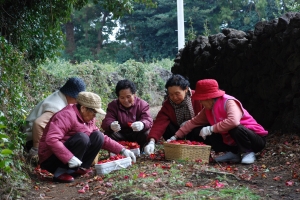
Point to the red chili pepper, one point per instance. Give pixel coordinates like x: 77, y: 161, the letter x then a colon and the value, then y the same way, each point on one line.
x: 129, y: 124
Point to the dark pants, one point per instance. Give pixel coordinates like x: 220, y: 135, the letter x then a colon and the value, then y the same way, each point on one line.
x: 245, y: 139
x: 140, y: 137
x: 84, y: 147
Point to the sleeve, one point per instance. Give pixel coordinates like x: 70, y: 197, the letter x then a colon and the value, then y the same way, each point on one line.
x: 160, y: 124
x: 199, y: 120
x: 145, y: 115
x: 59, y: 126
x: 234, y: 115
x: 111, y: 115
x: 111, y: 145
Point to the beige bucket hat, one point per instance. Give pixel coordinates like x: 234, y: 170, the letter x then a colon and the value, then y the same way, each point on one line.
x: 90, y: 100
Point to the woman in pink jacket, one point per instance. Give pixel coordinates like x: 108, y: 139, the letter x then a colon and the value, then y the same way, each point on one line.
x: 71, y: 140
x: 225, y: 125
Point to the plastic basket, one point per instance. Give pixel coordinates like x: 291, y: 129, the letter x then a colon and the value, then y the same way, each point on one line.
x: 135, y: 151
x: 187, y: 152
x: 108, y: 167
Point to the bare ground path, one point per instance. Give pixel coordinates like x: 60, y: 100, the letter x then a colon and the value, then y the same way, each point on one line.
x: 275, y: 175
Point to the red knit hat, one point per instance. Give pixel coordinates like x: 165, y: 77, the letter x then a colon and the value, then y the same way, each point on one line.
x: 207, y: 89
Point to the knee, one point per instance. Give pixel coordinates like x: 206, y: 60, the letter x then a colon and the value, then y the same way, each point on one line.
x: 97, y: 137
x: 234, y: 131
x: 83, y: 138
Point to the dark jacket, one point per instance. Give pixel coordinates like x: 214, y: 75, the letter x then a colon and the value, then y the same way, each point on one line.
x: 116, y: 112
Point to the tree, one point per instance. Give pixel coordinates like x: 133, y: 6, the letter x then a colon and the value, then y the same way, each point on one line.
x: 34, y: 26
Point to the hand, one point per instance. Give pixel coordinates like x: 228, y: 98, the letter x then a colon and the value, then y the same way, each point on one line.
x: 149, y: 148
x: 115, y: 126
x: 206, y: 131
x: 74, y: 162
x: 137, y: 126
x: 172, y: 138
x: 128, y: 153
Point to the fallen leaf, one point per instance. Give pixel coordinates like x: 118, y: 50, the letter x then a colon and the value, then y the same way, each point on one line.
x: 81, y: 190
x: 142, y: 175
x: 108, y: 184
x: 154, y: 173
x: 189, y: 184
x: 289, y: 183
x: 101, y: 192
x: 219, y: 184
x: 277, y: 178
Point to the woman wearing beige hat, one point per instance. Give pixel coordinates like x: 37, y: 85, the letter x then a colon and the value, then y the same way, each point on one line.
x: 224, y: 115
x: 71, y: 140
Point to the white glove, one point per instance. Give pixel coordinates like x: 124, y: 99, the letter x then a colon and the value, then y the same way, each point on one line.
x: 33, y: 151
x: 115, y: 126
x: 128, y: 153
x: 137, y: 126
x: 172, y: 138
x: 182, y: 124
x: 74, y: 162
x: 149, y: 148
x: 206, y: 131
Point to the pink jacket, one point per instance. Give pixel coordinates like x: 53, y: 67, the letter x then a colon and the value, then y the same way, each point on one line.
x: 63, y: 125
x: 224, y: 116
x: 167, y: 115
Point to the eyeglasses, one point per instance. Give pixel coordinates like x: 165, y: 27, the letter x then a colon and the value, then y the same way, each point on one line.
x: 92, y: 110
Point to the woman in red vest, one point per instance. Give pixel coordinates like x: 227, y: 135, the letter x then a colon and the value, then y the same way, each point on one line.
x: 225, y: 125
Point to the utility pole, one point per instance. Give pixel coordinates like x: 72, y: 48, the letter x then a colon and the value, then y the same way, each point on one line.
x: 180, y: 24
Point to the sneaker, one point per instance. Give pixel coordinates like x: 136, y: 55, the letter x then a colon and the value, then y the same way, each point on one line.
x: 229, y: 157
x: 248, y: 158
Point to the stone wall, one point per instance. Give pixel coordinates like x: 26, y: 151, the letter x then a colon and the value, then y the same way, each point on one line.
x: 261, y: 68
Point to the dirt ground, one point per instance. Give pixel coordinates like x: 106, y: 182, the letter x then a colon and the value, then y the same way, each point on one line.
x: 275, y: 175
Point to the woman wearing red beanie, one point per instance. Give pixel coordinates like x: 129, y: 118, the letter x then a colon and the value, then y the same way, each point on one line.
x: 224, y: 115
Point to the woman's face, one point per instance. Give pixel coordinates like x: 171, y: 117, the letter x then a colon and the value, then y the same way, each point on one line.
x: 126, y: 98
x: 87, y: 114
x: 208, y: 104
x: 176, y: 94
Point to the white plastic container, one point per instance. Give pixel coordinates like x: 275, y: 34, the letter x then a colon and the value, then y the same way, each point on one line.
x: 108, y: 167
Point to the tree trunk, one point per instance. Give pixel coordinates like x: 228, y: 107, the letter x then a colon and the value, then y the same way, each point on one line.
x: 70, y: 47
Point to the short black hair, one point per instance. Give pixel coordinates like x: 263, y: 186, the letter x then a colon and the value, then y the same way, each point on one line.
x: 125, y: 84
x: 177, y: 80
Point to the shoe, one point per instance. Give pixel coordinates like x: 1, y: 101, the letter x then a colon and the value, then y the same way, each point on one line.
x: 81, y: 171
x: 229, y: 157
x: 64, y: 178
x: 248, y: 158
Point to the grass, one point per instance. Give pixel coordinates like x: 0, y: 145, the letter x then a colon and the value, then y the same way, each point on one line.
x: 163, y: 183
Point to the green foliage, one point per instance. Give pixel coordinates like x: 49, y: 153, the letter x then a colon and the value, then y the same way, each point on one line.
x: 191, y: 33
x: 12, y: 115
x: 102, y: 78
x: 206, y: 29
x: 293, y: 6
x: 34, y: 26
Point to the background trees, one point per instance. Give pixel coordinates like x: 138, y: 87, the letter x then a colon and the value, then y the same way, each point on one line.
x: 34, y: 26
x: 150, y: 32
